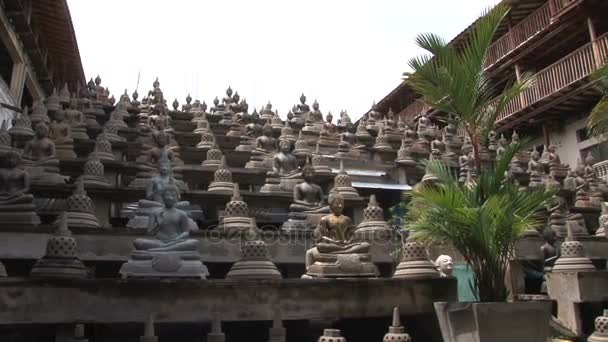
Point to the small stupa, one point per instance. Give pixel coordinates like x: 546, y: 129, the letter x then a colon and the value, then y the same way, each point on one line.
x: 396, y: 332
x: 319, y: 163
x: 236, y: 215
x: 600, y: 334
x: 222, y: 179
x: 93, y: 172
x: 22, y: 131
x: 331, y: 335
x: 373, y: 225
x: 214, y: 157
x: 5, y: 138
x: 415, y: 263
x: 343, y: 184
x: 60, y: 260
x: 103, y: 148
x: 81, y: 210
x: 254, y: 263
x: 572, y: 256
x: 301, y: 149
x: 39, y: 114
x: 382, y: 143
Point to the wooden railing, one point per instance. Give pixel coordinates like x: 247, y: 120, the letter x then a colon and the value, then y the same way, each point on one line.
x: 560, y: 5
x: 568, y: 70
x: 520, y: 33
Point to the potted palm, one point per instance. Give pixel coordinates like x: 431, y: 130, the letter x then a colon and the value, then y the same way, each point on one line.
x: 598, y: 119
x: 481, y: 219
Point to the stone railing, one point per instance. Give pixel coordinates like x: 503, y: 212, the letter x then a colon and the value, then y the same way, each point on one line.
x: 601, y: 169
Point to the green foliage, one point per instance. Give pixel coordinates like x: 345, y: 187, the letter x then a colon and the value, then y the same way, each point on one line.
x: 453, y: 80
x: 482, y: 221
x: 598, y: 119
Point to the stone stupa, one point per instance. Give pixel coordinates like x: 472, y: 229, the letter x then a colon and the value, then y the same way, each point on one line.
x: 600, y: 334
x: 254, y: 263
x: 373, y: 225
x: 572, y: 256
x: 222, y: 179
x: 236, y: 218
x: 396, y: 332
x: 60, y: 259
x: 415, y: 263
x: 343, y: 184
x: 80, y: 208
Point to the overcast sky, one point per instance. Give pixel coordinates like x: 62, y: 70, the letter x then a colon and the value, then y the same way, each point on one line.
x: 344, y: 53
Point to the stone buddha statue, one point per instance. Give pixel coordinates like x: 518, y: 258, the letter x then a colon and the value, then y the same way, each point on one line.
x: 329, y: 132
x: 61, y: 134
x: 187, y: 106
x: 135, y: 104
x: 536, y: 171
x: 266, y: 113
x: 303, y: 108
x: 16, y: 205
x: 265, y: 147
x: 154, y: 200
x: 553, y: 163
x: 560, y: 216
x: 170, y: 226
x: 594, y: 184
x: 307, y: 196
x: 465, y: 161
x: 452, y: 145
x: 315, y: 116
x: 284, y: 164
x: 336, y: 254
x: 285, y: 173
x: 308, y: 202
x: 170, y: 252
x: 40, y: 158
x: 502, y: 144
x: 76, y: 120
x: 228, y: 100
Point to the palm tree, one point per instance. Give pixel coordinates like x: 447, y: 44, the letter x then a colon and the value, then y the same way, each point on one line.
x: 454, y: 81
x: 481, y: 220
x: 598, y: 119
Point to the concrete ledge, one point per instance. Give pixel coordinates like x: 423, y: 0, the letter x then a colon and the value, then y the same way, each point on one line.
x: 113, y: 301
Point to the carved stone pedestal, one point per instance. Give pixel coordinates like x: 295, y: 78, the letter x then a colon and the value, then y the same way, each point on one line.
x: 147, y: 264
x: 342, y: 266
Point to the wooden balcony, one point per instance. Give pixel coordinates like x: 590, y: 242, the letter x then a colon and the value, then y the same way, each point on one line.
x: 558, y: 79
x: 535, y: 25
x: 414, y: 109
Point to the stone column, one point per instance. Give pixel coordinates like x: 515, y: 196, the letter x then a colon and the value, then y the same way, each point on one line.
x: 216, y: 334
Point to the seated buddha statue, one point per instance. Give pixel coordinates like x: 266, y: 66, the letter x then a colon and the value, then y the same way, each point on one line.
x: 40, y: 158
x: 302, y: 107
x: 265, y: 147
x: 169, y: 225
x: 61, y: 134
x: 154, y: 200
x: 329, y: 132
x: 553, y: 163
x: 285, y: 173
x: 560, y: 216
x: 595, y: 194
x: 284, y: 164
x: 76, y: 120
x: 536, y: 170
x: 16, y: 205
x: 228, y: 100
x: 266, y: 113
x: 336, y: 254
x: 308, y: 196
x: 315, y: 116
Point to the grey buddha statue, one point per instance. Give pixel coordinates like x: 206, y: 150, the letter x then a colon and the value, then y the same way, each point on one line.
x: 154, y: 200
x: 285, y: 173
x: 560, y: 216
x: 536, y: 171
x: 76, y: 120
x: 267, y: 113
x: 61, y: 134
x: 40, y: 158
x: 265, y: 147
x: 16, y: 204
x: 329, y: 132
x: 308, y: 202
x: 171, y: 252
x: 553, y: 163
x: 336, y: 255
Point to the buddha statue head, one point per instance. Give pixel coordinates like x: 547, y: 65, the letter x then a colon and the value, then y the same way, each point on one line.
x: 336, y: 203
x: 236, y: 97
x: 329, y: 118
x: 170, y: 195
x: 41, y: 130
x: 285, y: 146
x: 303, y: 98
x: 535, y: 155
x: 315, y: 106
x: 308, y: 172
